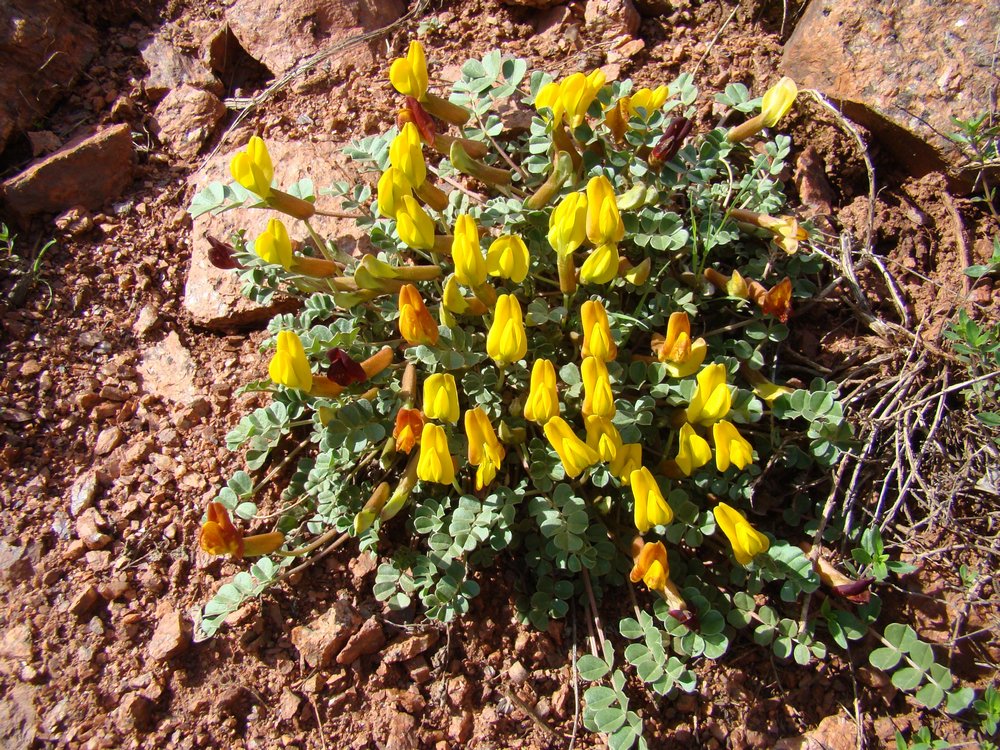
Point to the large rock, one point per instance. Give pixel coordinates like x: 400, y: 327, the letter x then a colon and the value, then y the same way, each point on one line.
x: 170, y: 68
x: 85, y: 172
x: 902, y: 69
x: 281, y: 33
x: 167, y: 371
x: 186, y: 119
x: 212, y: 296
x: 323, y: 638
x: 43, y: 48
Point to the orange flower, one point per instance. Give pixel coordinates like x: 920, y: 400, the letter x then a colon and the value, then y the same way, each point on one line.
x: 415, y: 322
x: 651, y: 566
x: 409, y: 426
x: 778, y: 300
x: 219, y: 537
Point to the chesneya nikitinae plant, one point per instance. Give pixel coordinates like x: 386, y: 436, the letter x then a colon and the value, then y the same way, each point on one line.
x: 555, y: 348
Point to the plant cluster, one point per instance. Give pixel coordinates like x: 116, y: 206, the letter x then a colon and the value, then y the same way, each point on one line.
x: 560, y: 350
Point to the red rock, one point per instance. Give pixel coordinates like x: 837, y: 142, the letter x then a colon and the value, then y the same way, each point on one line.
x: 171, y: 637
x: 901, y: 69
x: 288, y: 705
x: 281, y: 33
x: 612, y: 17
x: 368, y: 640
x: 186, y: 119
x: 167, y: 371
x: 108, y: 439
x: 17, y: 563
x: 402, y: 732
x: 89, y: 527
x: 134, y: 713
x: 537, y: 4
x: 810, y: 180
x: 407, y: 647
x: 87, y: 172
x: 84, y: 602
x: 170, y: 68
x: 460, y: 727
x: 323, y: 638
x: 833, y: 733
x: 16, y: 643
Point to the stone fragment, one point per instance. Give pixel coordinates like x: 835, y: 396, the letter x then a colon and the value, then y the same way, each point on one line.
x: 517, y: 673
x: 147, y: 320
x: 75, y: 221
x: 323, y: 638
x: 17, y: 563
x: 902, y: 69
x: 18, y: 720
x: 171, y: 637
x: 43, y: 142
x: 84, y: 602
x: 833, y: 733
x: 186, y: 119
x: 536, y: 4
x: 306, y: 27
x: 368, y: 640
x: 810, y: 180
x: 288, y: 705
x: 43, y: 48
x: 134, y: 713
x: 86, y: 172
x: 170, y: 68
x: 402, y: 732
x: 612, y: 17
x: 212, y: 296
x: 108, y: 439
x: 167, y: 371
x: 89, y: 527
x: 460, y: 728
x: 407, y: 647
x: 16, y: 642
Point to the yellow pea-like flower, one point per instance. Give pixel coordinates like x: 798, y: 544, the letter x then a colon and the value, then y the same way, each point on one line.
x: 470, y: 266
x: 681, y: 355
x: 711, y: 400
x: 406, y: 154
x: 252, y: 168
x: 778, y: 100
x: 598, y: 397
x: 651, y: 566
x: 392, y: 186
x: 441, y: 397
x: 452, y: 299
x: 415, y: 227
x: 507, y: 341
x: 568, y: 224
x: 730, y: 446
x: 577, y: 93
x: 650, y: 507
x: 408, y: 75
x: 508, y: 258
x: 549, y: 98
x: 747, y: 542
x: 575, y: 454
x: 647, y: 100
x: 629, y: 459
x: 603, y: 437
x: 485, y: 451
x: 604, y: 222
x: 601, y: 266
x: 435, y: 463
x: 597, y: 339
x: 289, y: 366
x: 273, y: 245
x: 543, y: 399
x: 693, y: 450
x: 416, y: 325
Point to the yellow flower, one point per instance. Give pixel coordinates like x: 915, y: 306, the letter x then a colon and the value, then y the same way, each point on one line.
x: 408, y: 75
x: 543, y: 399
x: 508, y: 258
x: 603, y: 437
x: 549, y: 98
x: 730, y: 446
x: 680, y: 355
x: 409, y: 427
x: 406, y: 154
x: 648, y: 100
x: 415, y: 322
x: 575, y: 454
x: 568, y: 224
x: 651, y: 566
x: 570, y: 98
x: 597, y: 340
x: 601, y: 266
x: 786, y: 230
x: 693, y: 450
x: 435, y: 463
x: 392, y: 186
x: 629, y: 459
x: 253, y: 169
x: 650, y: 507
x: 218, y: 536
x: 273, y: 244
x: 485, y: 450
x: 441, y: 397
x: 711, y: 400
x: 746, y: 540
x: 470, y: 266
x: 598, y: 398
x: 604, y: 222
x: 506, y: 341
x: 778, y: 100
x: 415, y: 227
x: 289, y: 366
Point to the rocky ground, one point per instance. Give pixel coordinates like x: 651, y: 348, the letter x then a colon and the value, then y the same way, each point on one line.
x: 123, y: 350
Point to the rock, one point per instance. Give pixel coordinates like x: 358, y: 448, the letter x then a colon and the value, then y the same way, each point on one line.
x: 43, y: 48
x: 321, y: 640
x: 147, y: 320
x: 167, y: 371
x: 288, y: 705
x: 407, y: 647
x: 460, y: 728
x: 74, y: 221
x: 86, y: 172
x: 169, y: 68
x: 612, y: 17
x: 18, y: 563
x: 43, y: 142
x: 108, y: 439
x: 402, y: 732
x: 84, y: 602
x: 362, y: 565
x: 211, y: 295
x: 517, y: 673
x: 16, y: 642
x: 18, y: 720
x: 833, y: 733
x: 810, y: 180
x: 186, y: 119
x: 368, y: 640
x: 281, y: 33
x: 171, y: 637
x: 901, y: 69
x: 82, y: 493
x: 134, y: 713
x: 537, y: 4
x: 88, y: 529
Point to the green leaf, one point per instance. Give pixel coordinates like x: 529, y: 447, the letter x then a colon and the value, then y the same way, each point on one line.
x: 930, y: 695
x: 591, y: 668
x: 907, y: 678
x: 885, y: 658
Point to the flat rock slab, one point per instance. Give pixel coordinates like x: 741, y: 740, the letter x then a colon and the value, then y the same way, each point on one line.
x: 86, y: 172
x: 212, y: 296
x: 901, y: 69
x: 167, y: 370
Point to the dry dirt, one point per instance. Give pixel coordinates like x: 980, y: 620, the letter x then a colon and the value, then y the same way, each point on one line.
x: 93, y: 648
